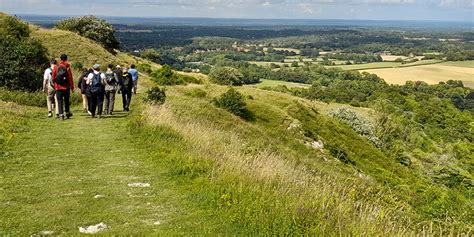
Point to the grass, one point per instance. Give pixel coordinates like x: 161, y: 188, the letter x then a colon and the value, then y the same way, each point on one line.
x: 252, y: 167
x: 468, y: 64
x: 51, y: 171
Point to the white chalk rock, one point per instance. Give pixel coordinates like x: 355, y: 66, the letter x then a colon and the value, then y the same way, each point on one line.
x: 139, y: 185
x: 93, y: 228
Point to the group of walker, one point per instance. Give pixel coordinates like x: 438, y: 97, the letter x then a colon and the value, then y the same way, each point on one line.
x: 96, y: 87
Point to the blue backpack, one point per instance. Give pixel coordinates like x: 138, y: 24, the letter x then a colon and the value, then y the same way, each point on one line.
x: 96, y: 85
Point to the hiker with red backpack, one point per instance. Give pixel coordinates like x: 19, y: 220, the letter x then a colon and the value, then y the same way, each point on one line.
x: 64, y: 85
x: 48, y: 87
x: 96, y: 82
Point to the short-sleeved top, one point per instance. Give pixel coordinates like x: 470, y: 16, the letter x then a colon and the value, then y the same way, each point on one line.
x: 91, y: 75
x: 48, y: 76
x: 133, y: 73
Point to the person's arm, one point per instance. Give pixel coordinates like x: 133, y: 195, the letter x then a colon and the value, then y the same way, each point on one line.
x: 103, y: 79
x: 45, y: 79
x: 89, y: 78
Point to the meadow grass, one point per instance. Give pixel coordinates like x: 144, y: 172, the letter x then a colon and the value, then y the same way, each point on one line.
x: 266, y: 179
x: 52, y: 170
x: 469, y: 64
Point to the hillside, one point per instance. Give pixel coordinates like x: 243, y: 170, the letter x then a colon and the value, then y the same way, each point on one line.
x: 188, y: 167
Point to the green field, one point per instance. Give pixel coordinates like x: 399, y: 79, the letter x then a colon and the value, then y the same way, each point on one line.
x: 469, y: 64
x: 273, y: 83
x: 368, y: 66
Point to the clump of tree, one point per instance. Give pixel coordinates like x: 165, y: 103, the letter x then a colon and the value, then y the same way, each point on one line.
x: 234, y: 102
x: 167, y: 77
x: 93, y: 28
x: 23, y: 58
x: 228, y: 76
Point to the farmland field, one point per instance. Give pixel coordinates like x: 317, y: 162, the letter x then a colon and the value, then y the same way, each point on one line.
x: 368, y: 66
x: 431, y: 74
x: 273, y: 83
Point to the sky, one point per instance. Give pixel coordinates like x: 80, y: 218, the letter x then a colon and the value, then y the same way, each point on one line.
x: 440, y: 10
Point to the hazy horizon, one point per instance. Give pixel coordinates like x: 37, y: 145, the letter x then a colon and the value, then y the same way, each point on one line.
x: 374, y: 10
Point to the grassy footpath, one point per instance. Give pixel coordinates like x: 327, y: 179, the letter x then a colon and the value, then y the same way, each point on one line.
x: 51, y: 172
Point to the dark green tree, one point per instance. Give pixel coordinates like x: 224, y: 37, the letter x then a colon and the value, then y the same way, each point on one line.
x: 93, y: 28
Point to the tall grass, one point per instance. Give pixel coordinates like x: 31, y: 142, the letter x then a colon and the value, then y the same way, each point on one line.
x: 261, y: 191
x: 37, y: 99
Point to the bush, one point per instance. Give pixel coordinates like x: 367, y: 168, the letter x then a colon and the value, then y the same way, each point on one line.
x: 197, y: 92
x: 78, y: 66
x: 156, y: 95
x: 167, y: 77
x: 23, y: 58
x: 226, y: 76
x: 359, y: 124
x: 144, y: 67
x: 234, y: 102
x: 93, y: 28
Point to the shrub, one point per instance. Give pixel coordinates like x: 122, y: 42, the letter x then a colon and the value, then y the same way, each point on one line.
x: 359, y: 124
x: 197, y: 92
x: 23, y: 58
x: 93, y: 28
x: 78, y: 66
x: 234, y: 102
x: 226, y: 76
x: 167, y: 77
x: 144, y: 67
x: 156, y: 95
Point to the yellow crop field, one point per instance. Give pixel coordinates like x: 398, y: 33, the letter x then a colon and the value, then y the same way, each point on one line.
x: 431, y: 74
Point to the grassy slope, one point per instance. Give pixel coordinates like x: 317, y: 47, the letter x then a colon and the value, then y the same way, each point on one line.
x: 210, y: 171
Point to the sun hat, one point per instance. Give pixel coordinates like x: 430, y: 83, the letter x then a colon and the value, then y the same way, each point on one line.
x: 96, y: 66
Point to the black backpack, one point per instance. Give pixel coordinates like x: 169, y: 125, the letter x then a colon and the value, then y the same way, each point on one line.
x: 127, y: 81
x: 96, y: 85
x: 61, y: 76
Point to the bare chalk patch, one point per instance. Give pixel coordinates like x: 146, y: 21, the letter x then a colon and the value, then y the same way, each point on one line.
x: 139, y: 185
x: 99, y: 196
x: 93, y: 228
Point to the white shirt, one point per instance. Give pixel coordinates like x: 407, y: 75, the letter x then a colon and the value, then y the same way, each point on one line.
x: 47, y: 77
x: 91, y: 75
